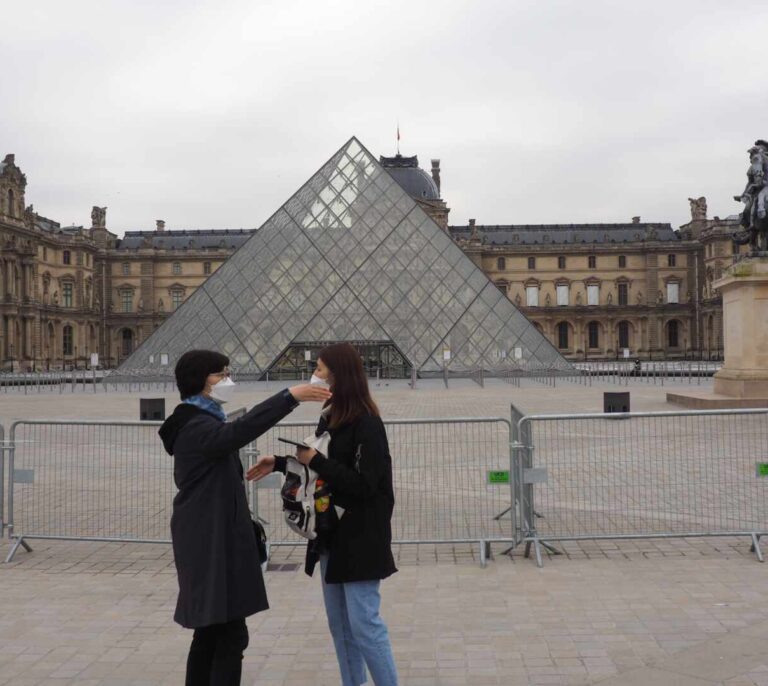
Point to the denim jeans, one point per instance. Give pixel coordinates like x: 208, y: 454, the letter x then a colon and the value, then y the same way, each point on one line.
x: 359, y: 633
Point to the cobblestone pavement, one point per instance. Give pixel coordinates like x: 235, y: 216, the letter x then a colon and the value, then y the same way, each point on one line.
x: 692, y: 612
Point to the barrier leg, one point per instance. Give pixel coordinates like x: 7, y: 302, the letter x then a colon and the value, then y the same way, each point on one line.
x: 485, y: 549
x: 756, y: 547
x: 19, y: 542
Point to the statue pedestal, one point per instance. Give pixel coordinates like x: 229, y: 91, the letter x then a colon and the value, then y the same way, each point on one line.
x: 744, y: 287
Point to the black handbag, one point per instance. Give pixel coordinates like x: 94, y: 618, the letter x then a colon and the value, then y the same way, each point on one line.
x: 261, y: 539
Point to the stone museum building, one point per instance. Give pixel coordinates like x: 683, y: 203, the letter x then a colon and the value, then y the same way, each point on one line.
x: 593, y: 290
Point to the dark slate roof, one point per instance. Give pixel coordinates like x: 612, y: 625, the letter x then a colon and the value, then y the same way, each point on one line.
x: 227, y: 239
x: 416, y: 182
x: 543, y: 234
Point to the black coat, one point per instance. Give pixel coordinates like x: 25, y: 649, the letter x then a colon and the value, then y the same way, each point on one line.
x: 214, y: 545
x: 358, y: 471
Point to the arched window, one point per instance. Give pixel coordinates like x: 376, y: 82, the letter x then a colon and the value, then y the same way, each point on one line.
x: 673, y: 337
x: 593, y: 330
x: 562, y: 335
x: 67, y: 340
x: 127, y: 342
x: 501, y: 263
x: 623, y: 334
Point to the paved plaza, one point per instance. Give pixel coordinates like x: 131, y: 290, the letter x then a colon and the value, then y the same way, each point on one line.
x: 669, y: 611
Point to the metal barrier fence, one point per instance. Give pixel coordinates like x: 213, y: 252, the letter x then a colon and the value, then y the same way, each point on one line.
x: 643, y: 475
x: 112, y: 481
x: 444, y: 478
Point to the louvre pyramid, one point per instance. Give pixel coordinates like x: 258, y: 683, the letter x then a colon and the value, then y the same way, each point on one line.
x: 351, y: 256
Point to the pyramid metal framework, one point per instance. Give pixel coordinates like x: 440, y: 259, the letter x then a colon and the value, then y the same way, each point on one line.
x: 351, y: 256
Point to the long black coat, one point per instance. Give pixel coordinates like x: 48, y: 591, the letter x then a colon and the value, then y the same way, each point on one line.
x: 358, y: 471
x: 214, y: 545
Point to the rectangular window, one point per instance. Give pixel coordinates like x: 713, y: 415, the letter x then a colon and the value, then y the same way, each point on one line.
x: 562, y: 336
x: 671, y: 260
x: 66, y: 257
x: 561, y: 262
x: 126, y: 268
x: 592, y: 262
x: 623, y: 293
x: 532, y: 296
x: 127, y: 301
x: 66, y: 294
x: 622, y: 261
x: 177, y: 297
x: 594, y: 335
x: 206, y: 267
x: 673, y: 293
x: 177, y: 268
x: 45, y: 254
x: 79, y: 257
x: 531, y: 263
x: 593, y: 294
x: 67, y: 340
x: 562, y: 295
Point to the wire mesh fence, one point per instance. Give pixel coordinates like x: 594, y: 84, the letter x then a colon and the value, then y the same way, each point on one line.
x: 112, y: 481
x: 644, y: 475
x: 441, y: 469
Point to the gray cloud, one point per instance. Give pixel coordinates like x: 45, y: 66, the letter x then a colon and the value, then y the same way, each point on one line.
x: 210, y: 114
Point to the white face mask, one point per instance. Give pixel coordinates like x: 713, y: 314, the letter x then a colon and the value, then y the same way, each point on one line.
x: 316, y: 380
x: 222, y: 391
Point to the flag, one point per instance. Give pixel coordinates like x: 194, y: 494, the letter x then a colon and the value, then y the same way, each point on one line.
x: 398, y: 132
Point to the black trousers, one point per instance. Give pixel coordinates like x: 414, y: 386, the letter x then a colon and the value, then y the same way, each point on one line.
x: 216, y: 654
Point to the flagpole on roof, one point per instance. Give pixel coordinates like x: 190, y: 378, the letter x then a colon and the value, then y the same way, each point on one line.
x: 398, y: 136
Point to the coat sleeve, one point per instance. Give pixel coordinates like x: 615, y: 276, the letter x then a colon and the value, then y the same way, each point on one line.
x: 220, y: 439
x: 371, y: 462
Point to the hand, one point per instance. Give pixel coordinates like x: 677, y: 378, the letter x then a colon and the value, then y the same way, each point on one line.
x: 264, y: 466
x: 309, y: 393
x: 305, y: 455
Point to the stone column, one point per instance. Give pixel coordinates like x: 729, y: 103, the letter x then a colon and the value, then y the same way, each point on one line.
x: 745, y: 329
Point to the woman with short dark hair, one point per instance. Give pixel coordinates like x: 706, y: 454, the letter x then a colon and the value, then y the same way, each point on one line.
x: 214, y: 544
x: 355, y: 554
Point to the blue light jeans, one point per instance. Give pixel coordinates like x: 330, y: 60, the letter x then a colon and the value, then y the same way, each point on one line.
x: 358, y: 631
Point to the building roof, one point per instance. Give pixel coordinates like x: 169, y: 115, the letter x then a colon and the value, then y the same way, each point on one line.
x: 414, y: 181
x: 223, y: 239
x: 561, y: 234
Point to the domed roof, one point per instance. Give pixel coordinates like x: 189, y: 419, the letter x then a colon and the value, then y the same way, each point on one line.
x: 416, y: 182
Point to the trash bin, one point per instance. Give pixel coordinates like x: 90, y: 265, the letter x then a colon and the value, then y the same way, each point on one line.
x: 151, y: 409
x: 616, y: 402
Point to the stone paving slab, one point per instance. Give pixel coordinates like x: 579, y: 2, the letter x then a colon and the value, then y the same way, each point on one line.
x: 90, y: 613
x: 614, y: 612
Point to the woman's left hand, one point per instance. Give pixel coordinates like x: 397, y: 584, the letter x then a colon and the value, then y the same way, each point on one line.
x: 305, y: 455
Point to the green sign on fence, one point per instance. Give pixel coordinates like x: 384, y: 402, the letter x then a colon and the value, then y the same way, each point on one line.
x: 762, y: 468
x: 498, y: 477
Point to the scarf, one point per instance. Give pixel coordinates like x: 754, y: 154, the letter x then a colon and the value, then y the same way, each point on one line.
x: 207, y: 404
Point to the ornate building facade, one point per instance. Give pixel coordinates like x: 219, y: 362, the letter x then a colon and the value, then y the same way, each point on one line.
x: 593, y: 290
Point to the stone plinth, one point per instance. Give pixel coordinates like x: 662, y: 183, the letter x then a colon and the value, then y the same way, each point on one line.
x: 745, y: 330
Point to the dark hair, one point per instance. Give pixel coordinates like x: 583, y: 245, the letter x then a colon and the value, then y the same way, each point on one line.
x: 351, y: 396
x: 193, y: 369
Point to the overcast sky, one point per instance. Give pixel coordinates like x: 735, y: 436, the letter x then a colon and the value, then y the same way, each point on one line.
x: 210, y: 114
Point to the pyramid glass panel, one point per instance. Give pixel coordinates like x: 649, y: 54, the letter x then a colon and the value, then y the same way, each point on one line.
x: 350, y: 256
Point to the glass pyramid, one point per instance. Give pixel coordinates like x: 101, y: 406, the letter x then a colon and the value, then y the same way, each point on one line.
x: 350, y: 256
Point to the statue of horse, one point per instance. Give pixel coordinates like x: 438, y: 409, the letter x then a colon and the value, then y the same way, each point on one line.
x: 754, y: 218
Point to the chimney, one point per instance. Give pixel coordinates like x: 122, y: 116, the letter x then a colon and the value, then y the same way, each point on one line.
x: 160, y: 224
x: 635, y: 220
x: 436, y: 174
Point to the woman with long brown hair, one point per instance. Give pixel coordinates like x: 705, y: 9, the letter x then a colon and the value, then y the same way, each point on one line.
x: 355, y: 552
